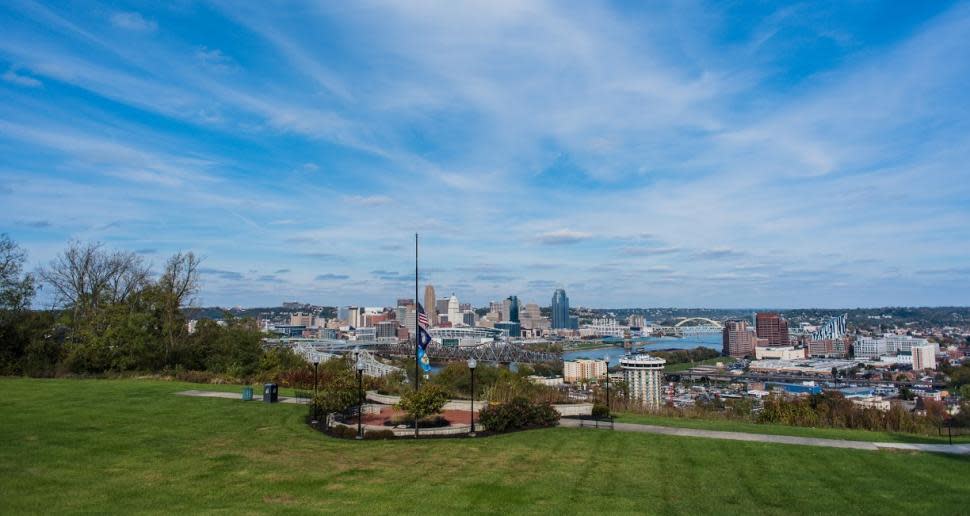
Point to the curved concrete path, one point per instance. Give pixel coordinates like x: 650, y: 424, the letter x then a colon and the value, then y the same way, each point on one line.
x: 957, y: 449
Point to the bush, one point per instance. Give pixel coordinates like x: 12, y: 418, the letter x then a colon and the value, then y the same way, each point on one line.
x: 342, y: 431
x: 600, y: 411
x: 379, y: 434
x: 435, y: 421
x: 517, y: 414
x: 424, y: 402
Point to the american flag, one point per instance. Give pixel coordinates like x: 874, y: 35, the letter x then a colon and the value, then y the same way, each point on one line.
x: 422, y: 317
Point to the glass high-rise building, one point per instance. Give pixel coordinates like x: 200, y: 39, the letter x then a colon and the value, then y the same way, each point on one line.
x: 514, y: 309
x: 560, y: 310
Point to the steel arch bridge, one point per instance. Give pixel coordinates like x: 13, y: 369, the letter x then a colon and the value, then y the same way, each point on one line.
x: 682, y: 328
x: 704, y: 320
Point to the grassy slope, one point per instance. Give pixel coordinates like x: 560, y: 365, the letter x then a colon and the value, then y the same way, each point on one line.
x: 132, y: 446
x: 824, y: 433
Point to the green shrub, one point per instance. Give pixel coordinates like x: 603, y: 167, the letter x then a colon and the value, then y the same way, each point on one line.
x: 379, y: 434
x: 518, y: 414
x: 600, y: 411
x: 346, y: 432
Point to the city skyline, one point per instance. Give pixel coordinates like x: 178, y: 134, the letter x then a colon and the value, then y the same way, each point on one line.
x: 696, y: 156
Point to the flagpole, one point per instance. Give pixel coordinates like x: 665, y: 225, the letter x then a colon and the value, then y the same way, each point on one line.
x: 417, y: 331
x: 417, y: 334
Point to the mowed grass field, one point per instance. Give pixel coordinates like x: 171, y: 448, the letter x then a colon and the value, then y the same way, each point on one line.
x: 847, y: 434
x: 132, y: 446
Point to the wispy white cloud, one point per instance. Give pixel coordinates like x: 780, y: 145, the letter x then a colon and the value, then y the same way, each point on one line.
x: 133, y: 21
x: 14, y: 77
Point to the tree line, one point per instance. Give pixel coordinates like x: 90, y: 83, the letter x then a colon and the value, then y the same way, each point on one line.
x: 111, y: 313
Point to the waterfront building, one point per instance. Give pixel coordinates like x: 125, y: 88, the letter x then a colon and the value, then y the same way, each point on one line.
x: 738, y: 340
x: 773, y: 327
x: 643, y: 374
x: 924, y: 357
x: 560, y: 310
x: 583, y: 370
x: 454, y: 310
x: 605, y: 327
x: 430, y: 304
x: 464, y: 337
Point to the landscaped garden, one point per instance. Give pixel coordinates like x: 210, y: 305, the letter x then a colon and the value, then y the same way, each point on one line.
x: 122, y: 446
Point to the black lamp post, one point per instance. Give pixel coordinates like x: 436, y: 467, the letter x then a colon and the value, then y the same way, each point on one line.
x: 472, y: 364
x: 360, y: 397
x: 316, y: 371
x: 608, y: 408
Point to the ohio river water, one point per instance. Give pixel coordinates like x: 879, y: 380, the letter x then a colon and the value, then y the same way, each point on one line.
x: 614, y: 353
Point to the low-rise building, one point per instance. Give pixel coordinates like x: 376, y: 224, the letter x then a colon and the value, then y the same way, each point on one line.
x: 779, y: 352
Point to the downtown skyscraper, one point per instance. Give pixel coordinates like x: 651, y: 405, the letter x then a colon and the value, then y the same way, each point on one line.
x: 560, y: 310
x: 431, y: 304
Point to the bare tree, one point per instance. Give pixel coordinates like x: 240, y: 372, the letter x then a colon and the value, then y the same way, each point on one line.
x: 178, y: 284
x: 16, y: 288
x: 85, y: 276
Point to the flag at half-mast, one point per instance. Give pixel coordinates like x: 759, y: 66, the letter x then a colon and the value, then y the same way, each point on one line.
x: 424, y: 338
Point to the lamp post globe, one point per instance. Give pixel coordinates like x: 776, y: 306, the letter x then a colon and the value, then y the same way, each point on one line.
x: 360, y: 397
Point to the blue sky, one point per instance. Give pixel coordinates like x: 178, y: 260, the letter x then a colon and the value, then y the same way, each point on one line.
x: 701, y: 154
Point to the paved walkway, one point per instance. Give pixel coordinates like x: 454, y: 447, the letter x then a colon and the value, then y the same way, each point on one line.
x: 257, y: 396
x: 957, y: 449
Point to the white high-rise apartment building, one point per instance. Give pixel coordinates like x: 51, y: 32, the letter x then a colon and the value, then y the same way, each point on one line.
x: 644, y: 377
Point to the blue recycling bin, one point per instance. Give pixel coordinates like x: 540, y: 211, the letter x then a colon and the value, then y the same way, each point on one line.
x: 271, y: 393
x: 247, y: 394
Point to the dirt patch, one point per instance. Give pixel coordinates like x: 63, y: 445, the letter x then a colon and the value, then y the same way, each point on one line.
x: 454, y: 417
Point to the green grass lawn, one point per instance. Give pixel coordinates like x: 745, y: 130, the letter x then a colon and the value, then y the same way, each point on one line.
x: 754, y: 428
x: 124, y: 446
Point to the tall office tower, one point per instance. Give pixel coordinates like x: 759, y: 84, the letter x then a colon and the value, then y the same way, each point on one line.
x: 513, y: 309
x: 454, y: 312
x: 773, y: 327
x: 441, y: 307
x: 468, y: 317
x: 405, y: 301
x: 738, y: 340
x: 644, y: 377
x: 560, y: 310
x: 431, y: 304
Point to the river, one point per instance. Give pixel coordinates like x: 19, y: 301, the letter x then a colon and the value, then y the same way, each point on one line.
x: 614, y: 353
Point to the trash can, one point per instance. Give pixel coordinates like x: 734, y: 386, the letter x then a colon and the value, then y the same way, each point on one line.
x: 271, y: 393
x: 247, y: 393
